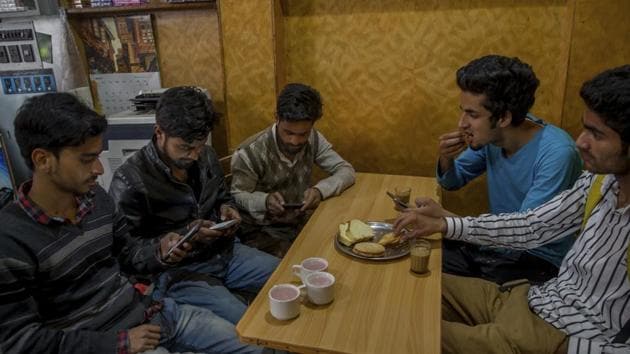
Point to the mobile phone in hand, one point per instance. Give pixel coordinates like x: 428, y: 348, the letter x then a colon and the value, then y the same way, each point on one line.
x: 398, y: 202
x: 293, y: 205
x: 223, y: 225
x: 191, y: 232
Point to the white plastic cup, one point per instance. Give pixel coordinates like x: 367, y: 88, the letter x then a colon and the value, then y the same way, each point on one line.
x: 310, y: 265
x: 284, y: 301
x: 320, y: 287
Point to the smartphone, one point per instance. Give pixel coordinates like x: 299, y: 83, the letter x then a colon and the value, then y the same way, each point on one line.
x: 293, y: 205
x: 223, y: 225
x: 398, y: 202
x: 192, y: 231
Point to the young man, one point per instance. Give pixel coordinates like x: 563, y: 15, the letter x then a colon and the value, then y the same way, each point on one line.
x: 272, y: 172
x: 527, y: 162
x: 174, y: 182
x: 588, y: 300
x: 61, y: 288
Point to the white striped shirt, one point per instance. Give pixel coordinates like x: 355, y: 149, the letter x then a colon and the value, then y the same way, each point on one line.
x: 590, y: 298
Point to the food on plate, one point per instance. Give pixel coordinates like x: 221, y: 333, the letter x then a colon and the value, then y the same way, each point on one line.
x: 354, y: 231
x: 388, y: 239
x: 369, y: 249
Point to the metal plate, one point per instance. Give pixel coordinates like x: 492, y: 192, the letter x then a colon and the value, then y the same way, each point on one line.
x: 394, y: 251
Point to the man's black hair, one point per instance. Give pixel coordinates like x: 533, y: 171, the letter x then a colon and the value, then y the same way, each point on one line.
x: 299, y: 102
x: 185, y: 112
x: 55, y: 121
x: 608, y: 95
x: 508, y: 83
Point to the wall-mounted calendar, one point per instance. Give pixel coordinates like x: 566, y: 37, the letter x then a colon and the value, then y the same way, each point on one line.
x: 122, y: 59
x: 114, y: 90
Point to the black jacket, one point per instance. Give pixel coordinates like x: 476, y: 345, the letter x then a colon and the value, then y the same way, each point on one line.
x: 154, y: 203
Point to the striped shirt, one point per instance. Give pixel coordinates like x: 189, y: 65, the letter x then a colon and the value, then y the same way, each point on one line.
x: 590, y: 298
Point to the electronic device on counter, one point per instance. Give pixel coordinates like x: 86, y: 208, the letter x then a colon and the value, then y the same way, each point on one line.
x: 148, y: 99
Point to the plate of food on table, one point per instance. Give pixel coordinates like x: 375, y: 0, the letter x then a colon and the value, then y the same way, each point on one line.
x: 371, y: 240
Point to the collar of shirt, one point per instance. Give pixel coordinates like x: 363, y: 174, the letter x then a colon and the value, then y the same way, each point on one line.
x: 85, y: 205
x: 283, y: 158
x: 611, y: 184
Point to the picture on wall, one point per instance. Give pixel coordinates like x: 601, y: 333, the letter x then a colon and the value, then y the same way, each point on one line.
x: 120, y: 53
x: 122, y: 44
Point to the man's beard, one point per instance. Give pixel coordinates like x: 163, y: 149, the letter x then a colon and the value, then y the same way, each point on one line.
x: 183, y: 164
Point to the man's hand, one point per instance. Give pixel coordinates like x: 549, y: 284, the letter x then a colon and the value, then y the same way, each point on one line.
x: 143, y: 338
x: 229, y: 213
x: 169, y: 240
x: 429, y: 207
x: 423, y: 225
x: 312, y: 198
x: 274, y: 204
x: 451, y: 145
x: 205, y: 235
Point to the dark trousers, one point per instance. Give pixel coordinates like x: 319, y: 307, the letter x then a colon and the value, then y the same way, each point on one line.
x: 465, y: 259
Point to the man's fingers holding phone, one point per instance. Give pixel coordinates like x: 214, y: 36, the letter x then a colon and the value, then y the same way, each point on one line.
x: 274, y: 203
x: 207, y: 234
x: 172, y: 250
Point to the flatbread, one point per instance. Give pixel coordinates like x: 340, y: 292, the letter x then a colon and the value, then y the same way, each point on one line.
x: 388, y: 239
x: 369, y: 249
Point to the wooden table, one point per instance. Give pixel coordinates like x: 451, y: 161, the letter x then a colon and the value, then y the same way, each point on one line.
x: 379, y: 307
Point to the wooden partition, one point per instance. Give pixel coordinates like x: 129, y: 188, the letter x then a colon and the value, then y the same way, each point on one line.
x: 386, y: 69
x: 249, y: 61
x: 600, y: 40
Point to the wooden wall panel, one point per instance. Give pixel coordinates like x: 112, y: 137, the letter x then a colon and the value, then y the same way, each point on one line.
x: 601, y: 40
x: 249, y: 62
x: 189, y: 49
x: 385, y: 70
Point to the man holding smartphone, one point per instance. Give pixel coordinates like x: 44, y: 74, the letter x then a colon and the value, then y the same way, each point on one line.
x: 175, y: 183
x: 64, y: 287
x: 272, y: 172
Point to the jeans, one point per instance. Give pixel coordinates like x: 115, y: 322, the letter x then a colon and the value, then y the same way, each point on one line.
x: 186, y: 328
x: 247, y: 269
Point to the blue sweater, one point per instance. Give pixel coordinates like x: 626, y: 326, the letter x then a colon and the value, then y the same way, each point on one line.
x: 548, y: 164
